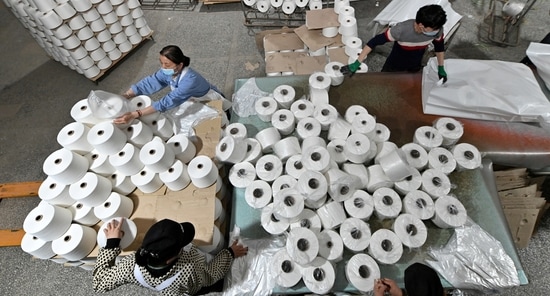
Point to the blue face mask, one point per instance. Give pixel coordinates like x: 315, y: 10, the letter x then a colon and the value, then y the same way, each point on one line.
x: 168, y: 72
x: 431, y: 34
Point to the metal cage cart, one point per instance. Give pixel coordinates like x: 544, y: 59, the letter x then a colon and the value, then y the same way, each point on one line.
x: 503, y: 20
x: 168, y: 4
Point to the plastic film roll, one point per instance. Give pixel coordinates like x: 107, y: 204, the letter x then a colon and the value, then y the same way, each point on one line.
x: 312, y: 184
x: 106, y: 138
x: 122, y: 184
x: 384, y: 149
x: 346, y: 11
x: 336, y: 150
x: 311, y: 142
x: 417, y: 156
x: 147, y: 181
x: 316, y: 159
x: 329, y: 32
x: 467, y: 156
x: 287, y: 272
x: 237, y: 130
x: 294, y: 166
x: 283, y: 182
x: 318, y: 96
x: 302, y: 245
x: 116, y: 205
x: 354, y: 111
x: 230, y: 150
x: 242, y: 174
x: 326, y: 114
x: 419, y: 204
x: 51, y: 20
x: 258, y: 194
x: 441, y: 159
x: 301, y: 3
x: 362, y: 271
x: 142, y: 102
x: 409, y: 183
x: 129, y: 229
x: 289, y: 6
x: 341, y: 185
x: 308, y: 127
x: 269, y: 167
x: 176, y: 177
x: 127, y: 161
x: 332, y: 69
x: 156, y: 156
x: 162, y: 127
x: 183, y: 148
x: 302, y: 108
x: 348, y: 26
x: 355, y: 234
x: 319, y: 276
x: 360, y: 205
x: 267, y: 138
x: 449, y: 212
x: 377, y: 178
x: 276, y: 3
x: 380, y: 134
x: 65, y: 166
x: 284, y: 95
x: 363, y: 123
x: 91, y: 190
x: 38, y: 248
x: 138, y: 133
x: 358, y: 170
x: 385, y: 246
x: 284, y: 121
x: 73, y: 137
x: 450, y: 129
x: 395, y: 165
x: 271, y: 223
x: 411, y: 230
x: 307, y: 219
x: 387, y: 203
x: 54, y: 193
x: 331, y: 246
x: 288, y: 203
x: 253, y: 150
x: 265, y: 107
x: 47, y: 222
x: 83, y: 214
x: 76, y: 243
x: 428, y: 137
x: 332, y: 214
x: 435, y: 183
x: 202, y: 171
x: 357, y: 148
x: 353, y: 46
x: 319, y: 80
x: 286, y: 148
x: 339, y: 4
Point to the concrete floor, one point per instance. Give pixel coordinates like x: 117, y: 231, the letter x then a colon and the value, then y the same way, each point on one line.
x: 37, y: 93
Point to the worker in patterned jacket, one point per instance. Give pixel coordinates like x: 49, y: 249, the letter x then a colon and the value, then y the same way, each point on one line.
x: 411, y: 38
x: 166, y: 262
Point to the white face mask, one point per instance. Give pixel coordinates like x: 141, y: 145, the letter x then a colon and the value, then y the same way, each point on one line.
x: 431, y: 34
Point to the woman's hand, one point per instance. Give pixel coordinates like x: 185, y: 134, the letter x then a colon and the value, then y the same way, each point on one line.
x: 379, y: 287
x: 114, y: 229
x: 238, y: 250
x: 125, y: 118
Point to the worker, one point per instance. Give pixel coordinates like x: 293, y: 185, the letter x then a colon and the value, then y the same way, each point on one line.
x: 187, y: 87
x: 411, y: 38
x: 420, y: 280
x: 167, y: 261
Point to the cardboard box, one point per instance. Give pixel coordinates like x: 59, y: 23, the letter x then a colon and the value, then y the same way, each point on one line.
x: 321, y: 18
x: 283, y: 41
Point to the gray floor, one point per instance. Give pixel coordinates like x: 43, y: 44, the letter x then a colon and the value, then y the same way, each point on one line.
x: 37, y: 93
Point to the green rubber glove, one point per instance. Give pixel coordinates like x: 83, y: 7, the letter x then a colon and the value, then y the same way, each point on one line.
x: 351, y: 68
x: 441, y: 73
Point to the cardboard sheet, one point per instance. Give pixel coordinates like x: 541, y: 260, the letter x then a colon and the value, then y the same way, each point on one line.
x: 314, y: 39
x: 321, y: 18
x: 284, y: 41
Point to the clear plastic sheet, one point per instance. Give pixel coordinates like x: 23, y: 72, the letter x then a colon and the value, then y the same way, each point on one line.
x: 253, y: 274
x: 245, y: 98
x: 475, y: 261
x: 106, y: 105
x: 188, y: 115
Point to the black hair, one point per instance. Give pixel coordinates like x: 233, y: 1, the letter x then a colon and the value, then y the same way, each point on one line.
x: 431, y: 16
x: 174, y: 54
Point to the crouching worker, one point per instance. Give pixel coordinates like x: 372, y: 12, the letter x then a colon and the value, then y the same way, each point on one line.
x: 166, y: 262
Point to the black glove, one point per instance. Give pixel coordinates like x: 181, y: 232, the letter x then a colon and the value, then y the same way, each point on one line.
x: 351, y: 68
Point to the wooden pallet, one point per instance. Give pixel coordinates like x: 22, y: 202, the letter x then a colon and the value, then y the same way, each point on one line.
x: 13, y: 237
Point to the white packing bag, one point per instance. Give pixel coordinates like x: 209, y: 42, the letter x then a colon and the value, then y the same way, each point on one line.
x: 539, y: 54
x: 484, y: 89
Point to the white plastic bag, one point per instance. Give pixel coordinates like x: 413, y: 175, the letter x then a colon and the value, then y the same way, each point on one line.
x: 106, y: 105
x: 484, y: 89
x: 539, y: 54
x: 474, y: 260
